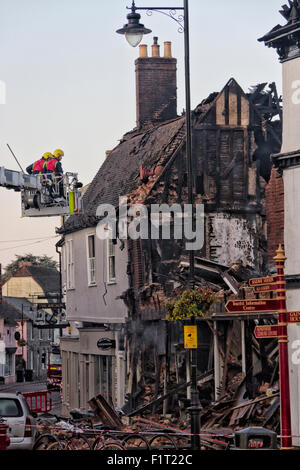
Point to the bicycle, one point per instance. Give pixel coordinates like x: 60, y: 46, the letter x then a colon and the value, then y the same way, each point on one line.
x: 84, y: 435
x: 45, y: 440
x: 76, y: 441
x: 135, y: 442
x: 107, y: 441
x: 161, y: 441
x: 102, y: 439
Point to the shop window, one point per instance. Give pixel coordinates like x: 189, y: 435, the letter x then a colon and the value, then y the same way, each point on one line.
x: 9, y: 364
x: 103, y: 377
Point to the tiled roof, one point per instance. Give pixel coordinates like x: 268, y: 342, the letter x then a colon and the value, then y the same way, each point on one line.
x: 47, y: 278
x: 21, y: 304
x: 9, y: 313
x: 119, y: 174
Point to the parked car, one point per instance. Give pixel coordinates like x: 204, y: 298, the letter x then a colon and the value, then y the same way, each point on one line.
x: 15, y: 412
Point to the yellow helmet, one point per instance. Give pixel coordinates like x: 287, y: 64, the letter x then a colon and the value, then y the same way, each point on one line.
x: 58, y: 153
x: 47, y: 155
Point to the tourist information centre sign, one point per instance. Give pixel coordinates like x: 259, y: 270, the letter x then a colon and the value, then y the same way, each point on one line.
x: 252, y: 305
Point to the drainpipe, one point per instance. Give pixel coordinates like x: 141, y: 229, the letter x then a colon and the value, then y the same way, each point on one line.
x: 60, y: 278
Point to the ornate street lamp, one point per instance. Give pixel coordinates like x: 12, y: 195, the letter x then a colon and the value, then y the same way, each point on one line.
x: 134, y: 32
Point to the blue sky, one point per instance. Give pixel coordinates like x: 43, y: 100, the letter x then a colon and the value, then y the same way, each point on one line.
x: 70, y: 82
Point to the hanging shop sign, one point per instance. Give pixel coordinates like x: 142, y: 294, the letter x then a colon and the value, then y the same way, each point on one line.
x: 106, y: 343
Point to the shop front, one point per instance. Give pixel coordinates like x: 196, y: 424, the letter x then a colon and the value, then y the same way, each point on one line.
x: 93, y: 364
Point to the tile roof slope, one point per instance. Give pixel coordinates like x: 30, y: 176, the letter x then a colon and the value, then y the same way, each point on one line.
x: 47, y: 278
x: 19, y: 304
x: 10, y: 314
x: 119, y: 173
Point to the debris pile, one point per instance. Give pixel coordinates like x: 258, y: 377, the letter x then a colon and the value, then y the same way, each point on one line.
x: 247, y: 393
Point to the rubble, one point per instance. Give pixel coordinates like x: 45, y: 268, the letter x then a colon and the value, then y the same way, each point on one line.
x: 246, y: 393
x: 248, y: 398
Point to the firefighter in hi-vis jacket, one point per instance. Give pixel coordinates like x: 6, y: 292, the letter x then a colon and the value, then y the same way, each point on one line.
x: 40, y: 165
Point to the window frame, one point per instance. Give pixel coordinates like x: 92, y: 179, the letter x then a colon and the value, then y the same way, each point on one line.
x: 91, y: 281
x: 109, y: 243
x: 70, y: 265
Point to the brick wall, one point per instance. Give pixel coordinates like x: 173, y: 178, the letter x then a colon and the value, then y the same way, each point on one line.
x: 275, y: 214
x: 156, y: 89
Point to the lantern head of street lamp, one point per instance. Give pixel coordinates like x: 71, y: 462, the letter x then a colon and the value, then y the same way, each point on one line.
x: 133, y: 30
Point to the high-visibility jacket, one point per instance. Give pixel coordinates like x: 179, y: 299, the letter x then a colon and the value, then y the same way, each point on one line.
x: 54, y: 166
x: 38, y: 166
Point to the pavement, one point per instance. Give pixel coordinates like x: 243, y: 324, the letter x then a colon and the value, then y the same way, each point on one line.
x: 32, y: 386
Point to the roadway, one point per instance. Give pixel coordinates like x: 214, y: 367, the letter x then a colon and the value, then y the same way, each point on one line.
x: 25, y: 387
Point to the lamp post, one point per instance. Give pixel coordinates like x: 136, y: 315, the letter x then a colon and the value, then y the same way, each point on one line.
x: 285, y: 407
x: 134, y: 32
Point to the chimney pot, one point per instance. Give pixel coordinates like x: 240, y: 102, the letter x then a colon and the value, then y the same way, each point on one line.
x: 143, y: 51
x: 167, y: 50
x: 155, y: 47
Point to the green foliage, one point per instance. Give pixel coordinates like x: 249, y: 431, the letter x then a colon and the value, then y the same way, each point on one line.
x: 195, y: 303
x: 44, y: 261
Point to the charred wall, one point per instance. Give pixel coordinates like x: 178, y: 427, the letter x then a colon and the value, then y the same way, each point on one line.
x: 228, y: 181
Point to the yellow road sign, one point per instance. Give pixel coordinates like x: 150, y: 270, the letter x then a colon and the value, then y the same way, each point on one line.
x: 190, y: 337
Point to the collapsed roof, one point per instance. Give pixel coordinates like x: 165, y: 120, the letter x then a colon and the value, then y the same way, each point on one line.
x: 151, y: 148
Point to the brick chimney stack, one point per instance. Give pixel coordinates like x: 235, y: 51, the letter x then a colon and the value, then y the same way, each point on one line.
x: 156, y: 85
